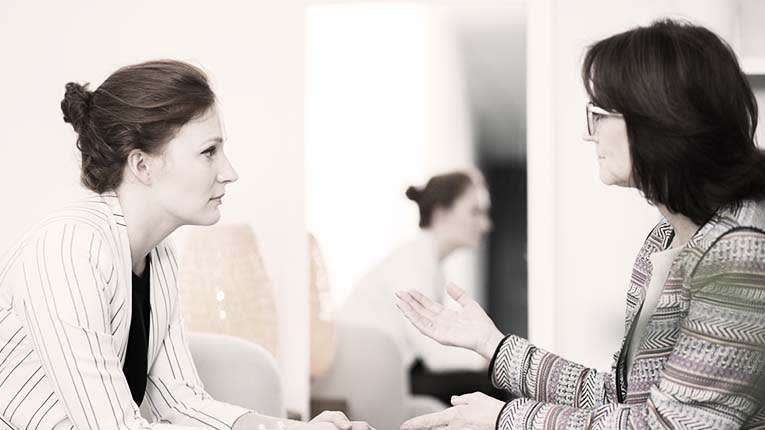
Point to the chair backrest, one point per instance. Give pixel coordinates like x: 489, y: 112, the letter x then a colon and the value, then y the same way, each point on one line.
x: 367, y: 373
x: 225, y: 287
x: 236, y: 371
x: 323, y: 334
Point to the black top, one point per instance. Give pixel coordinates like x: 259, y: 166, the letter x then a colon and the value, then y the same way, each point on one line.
x: 136, y: 357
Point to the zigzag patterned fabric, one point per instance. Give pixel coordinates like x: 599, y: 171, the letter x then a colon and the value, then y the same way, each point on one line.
x: 701, y: 360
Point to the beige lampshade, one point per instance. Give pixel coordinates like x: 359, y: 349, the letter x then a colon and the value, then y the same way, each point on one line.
x: 323, y: 336
x: 225, y: 287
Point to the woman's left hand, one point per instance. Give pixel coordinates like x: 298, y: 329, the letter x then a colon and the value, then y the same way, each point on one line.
x: 340, y: 421
x: 474, y: 411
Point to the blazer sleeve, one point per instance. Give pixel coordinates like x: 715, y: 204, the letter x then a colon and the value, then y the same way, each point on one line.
x: 63, y: 305
x: 527, y: 371
x: 713, y: 377
x: 174, y: 391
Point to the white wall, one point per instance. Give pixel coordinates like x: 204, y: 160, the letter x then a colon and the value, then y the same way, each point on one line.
x: 583, y: 236
x: 384, y: 110
x: 253, y: 52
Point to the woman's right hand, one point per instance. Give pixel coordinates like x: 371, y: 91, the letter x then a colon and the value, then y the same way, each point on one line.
x: 468, y: 327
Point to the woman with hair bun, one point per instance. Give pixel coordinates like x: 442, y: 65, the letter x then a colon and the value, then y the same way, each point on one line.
x: 90, y: 319
x: 453, y: 214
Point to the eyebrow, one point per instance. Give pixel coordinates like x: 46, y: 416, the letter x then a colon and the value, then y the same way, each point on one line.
x: 218, y: 140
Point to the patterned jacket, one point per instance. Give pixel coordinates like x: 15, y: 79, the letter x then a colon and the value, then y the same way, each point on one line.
x: 701, y: 360
x: 65, y: 305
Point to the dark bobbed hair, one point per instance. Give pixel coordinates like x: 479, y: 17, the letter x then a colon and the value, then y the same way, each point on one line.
x: 441, y: 191
x: 689, y: 111
x: 141, y: 107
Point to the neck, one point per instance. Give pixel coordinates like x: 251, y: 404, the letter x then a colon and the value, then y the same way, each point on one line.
x: 683, y: 226
x: 146, y: 225
x: 443, y: 246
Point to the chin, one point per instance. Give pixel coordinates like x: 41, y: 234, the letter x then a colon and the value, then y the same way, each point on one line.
x: 209, y: 218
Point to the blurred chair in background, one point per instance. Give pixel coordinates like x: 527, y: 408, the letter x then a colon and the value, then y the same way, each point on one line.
x: 239, y: 372
x: 323, y: 334
x: 226, y: 289
x: 353, y: 366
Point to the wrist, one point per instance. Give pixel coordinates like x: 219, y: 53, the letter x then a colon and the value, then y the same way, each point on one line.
x: 490, y: 343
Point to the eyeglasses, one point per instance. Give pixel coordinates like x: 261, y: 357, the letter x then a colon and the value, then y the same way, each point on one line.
x: 595, y: 114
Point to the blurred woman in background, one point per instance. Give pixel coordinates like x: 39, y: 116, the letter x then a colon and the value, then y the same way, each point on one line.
x: 453, y: 209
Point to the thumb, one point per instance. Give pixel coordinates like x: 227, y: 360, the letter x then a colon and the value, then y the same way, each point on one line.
x: 458, y: 294
x: 465, y: 399
x: 458, y: 400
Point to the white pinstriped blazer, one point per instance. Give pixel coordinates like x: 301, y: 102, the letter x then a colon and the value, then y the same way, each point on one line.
x: 65, y: 308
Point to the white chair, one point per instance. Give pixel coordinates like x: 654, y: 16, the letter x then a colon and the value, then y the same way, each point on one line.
x: 236, y: 371
x: 367, y: 374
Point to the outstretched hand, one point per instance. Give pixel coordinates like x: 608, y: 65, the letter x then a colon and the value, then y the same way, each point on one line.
x: 467, y: 327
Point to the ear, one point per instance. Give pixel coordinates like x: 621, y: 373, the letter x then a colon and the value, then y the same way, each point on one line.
x: 139, y: 166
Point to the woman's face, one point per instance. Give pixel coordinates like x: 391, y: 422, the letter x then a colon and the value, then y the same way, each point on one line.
x: 192, y: 172
x: 608, y: 132
x: 467, y: 220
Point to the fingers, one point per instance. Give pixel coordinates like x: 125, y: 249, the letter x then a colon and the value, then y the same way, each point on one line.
x: 338, y: 419
x: 458, y: 294
x: 466, y: 399
x: 429, y: 421
x: 432, y: 308
x: 422, y: 324
x: 419, y: 302
x: 361, y: 425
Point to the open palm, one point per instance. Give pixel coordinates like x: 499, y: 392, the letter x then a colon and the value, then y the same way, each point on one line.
x: 467, y: 327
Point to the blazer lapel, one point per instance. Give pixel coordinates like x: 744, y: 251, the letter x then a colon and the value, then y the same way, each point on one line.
x: 124, y: 269
x: 163, y: 292
x: 658, y: 240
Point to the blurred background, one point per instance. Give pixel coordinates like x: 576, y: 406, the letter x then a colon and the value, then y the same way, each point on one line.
x: 333, y: 108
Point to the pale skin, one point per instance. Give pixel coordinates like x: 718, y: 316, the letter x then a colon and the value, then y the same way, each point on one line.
x: 469, y: 327
x: 184, y: 184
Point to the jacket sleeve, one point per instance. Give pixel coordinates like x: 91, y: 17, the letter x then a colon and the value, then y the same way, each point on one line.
x: 63, y: 305
x: 175, y: 393
x: 713, y: 377
x: 527, y: 371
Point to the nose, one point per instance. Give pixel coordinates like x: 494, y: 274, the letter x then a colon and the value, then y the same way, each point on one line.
x: 227, y: 173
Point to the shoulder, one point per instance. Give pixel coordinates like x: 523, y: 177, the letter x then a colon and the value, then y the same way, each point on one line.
x: 79, y: 229
x: 733, y: 268
x: 89, y: 214
x: 738, y: 247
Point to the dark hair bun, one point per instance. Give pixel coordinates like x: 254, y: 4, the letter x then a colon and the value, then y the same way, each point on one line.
x: 414, y: 194
x: 76, y: 105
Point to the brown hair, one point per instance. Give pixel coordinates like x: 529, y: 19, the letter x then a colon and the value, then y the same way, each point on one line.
x: 138, y: 107
x: 690, y: 114
x: 440, y: 191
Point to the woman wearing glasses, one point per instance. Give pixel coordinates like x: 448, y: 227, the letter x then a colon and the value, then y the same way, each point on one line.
x: 672, y: 115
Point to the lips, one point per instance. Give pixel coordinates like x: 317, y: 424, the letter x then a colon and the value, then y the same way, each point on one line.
x: 219, y: 198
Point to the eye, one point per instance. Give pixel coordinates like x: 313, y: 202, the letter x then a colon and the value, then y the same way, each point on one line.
x: 210, y: 152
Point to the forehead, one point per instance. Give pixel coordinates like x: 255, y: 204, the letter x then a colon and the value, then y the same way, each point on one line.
x: 199, y: 130
x: 475, y: 195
